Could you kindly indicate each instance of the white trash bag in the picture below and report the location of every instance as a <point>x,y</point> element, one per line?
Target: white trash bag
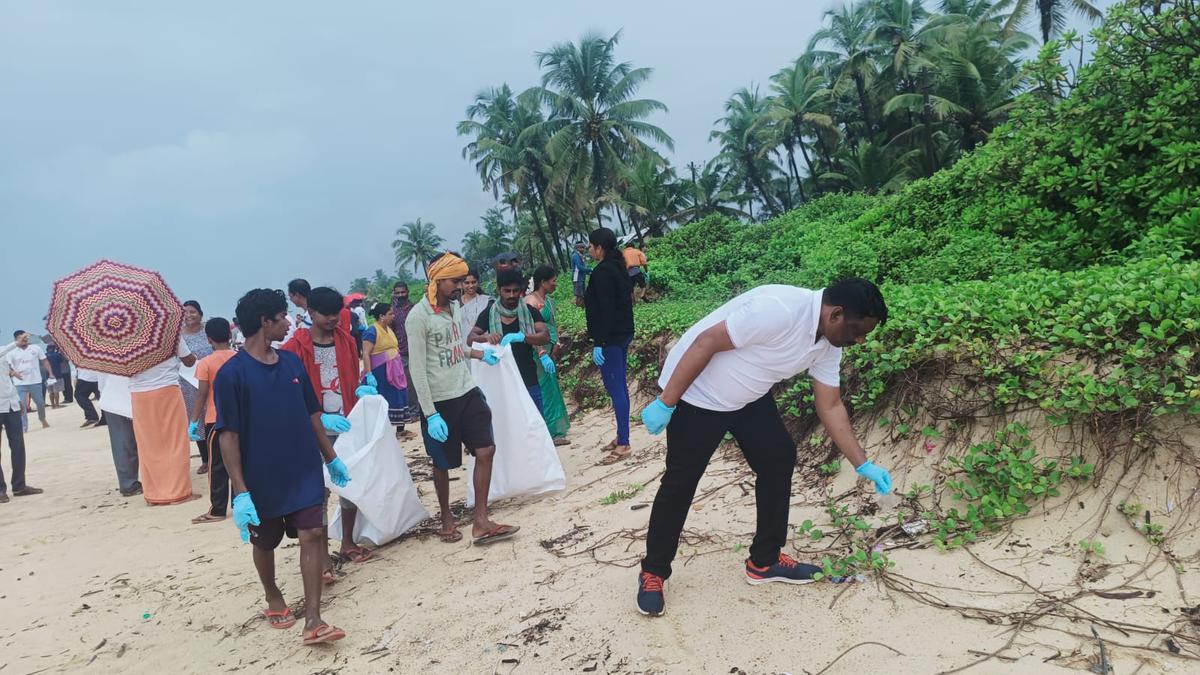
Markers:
<point>526,462</point>
<point>380,484</point>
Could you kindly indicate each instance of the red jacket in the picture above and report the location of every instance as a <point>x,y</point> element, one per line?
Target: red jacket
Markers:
<point>346,352</point>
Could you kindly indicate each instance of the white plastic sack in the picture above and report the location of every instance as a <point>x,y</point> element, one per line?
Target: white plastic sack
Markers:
<point>526,462</point>
<point>380,485</point>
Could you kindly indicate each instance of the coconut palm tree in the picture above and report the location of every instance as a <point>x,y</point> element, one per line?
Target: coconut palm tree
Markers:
<point>869,168</point>
<point>745,141</point>
<point>415,243</point>
<point>851,57</point>
<point>1052,14</point>
<point>800,108</point>
<point>708,193</point>
<point>595,122</point>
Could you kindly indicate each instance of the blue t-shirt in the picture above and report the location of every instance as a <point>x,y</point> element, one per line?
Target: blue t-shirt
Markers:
<point>270,406</point>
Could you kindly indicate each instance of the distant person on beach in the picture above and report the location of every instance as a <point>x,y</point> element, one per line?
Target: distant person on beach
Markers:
<point>473,302</point>
<point>87,387</point>
<point>160,423</point>
<point>273,444</point>
<point>26,365</point>
<point>503,262</point>
<point>298,291</point>
<point>382,365</point>
<point>579,271</point>
<point>60,369</point>
<point>554,409</point>
<point>10,419</point>
<point>453,410</point>
<point>197,340</point>
<point>608,306</point>
<point>717,380</point>
<point>637,268</point>
<point>509,321</point>
<point>401,306</point>
<point>330,357</point>
<point>117,406</point>
<point>203,424</point>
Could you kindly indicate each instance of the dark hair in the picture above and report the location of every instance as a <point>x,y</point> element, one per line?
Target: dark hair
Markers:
<point>542,274</point>
<point>473,272</point>
<point>217,330</point>
<point>256,305</point>
<point>607,240</point>
<point>510,277</point>
<point>299,287</point>
<point>399,284</point>
<point>325,301</point>
<point>17,334</point>
<point>194,305</point>
<point>858,299</point>
<point>379,309</point>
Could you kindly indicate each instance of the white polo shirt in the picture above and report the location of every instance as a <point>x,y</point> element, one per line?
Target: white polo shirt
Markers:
<point>27,362</point>
<point>774,333</point>
<point>164,374</point>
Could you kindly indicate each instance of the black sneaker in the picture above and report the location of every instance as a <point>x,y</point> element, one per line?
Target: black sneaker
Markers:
<point>652,601</point>
<point>787,570</point>
<point>3,497</point>
<point>27,491</point>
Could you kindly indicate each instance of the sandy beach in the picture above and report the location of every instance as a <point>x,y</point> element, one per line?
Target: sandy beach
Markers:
<point>94,582</point>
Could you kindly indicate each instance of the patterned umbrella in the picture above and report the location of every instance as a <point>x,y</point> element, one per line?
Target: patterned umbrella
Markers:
<point>114,318</point>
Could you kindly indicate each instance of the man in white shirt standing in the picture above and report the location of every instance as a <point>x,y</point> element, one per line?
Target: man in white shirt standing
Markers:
<point>10,419</point>
<point>718,380</point>
<point>25,366</point>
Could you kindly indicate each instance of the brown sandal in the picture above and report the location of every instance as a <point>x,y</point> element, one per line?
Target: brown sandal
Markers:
<point>611,447</point>
<point>614,457</point>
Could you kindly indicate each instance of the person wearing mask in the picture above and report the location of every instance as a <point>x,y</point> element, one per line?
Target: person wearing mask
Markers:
<point>10,419</point>
<point>608,304</point>
<point>554,409</point>
<point>473,303</point>
<point>196,339</point>
<point>579,271</point>
<point>26,365</point>
<point>717,380</point>
<point>160,422</point>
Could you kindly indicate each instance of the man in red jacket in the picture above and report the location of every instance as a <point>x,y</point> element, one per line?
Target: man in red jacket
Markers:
<point>330,357</point>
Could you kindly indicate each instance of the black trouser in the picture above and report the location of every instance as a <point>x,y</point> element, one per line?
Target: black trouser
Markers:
<point>692,437</point>
<point>218,477</point>
<point>11,421</point>
<point>68,393</point>
<point>83,398</point>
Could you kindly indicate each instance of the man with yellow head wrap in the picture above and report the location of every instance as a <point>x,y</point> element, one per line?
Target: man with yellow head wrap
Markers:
<point>453,411</point>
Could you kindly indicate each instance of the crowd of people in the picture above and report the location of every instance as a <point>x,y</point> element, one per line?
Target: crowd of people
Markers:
<point>265,397</point>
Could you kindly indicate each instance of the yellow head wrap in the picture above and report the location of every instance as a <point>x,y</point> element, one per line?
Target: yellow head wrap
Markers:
<point>449,266</point>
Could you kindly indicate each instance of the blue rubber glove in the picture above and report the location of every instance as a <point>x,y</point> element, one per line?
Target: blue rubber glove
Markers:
<point>876,474</point>
<point>656,416</point>
<point>365,390</point>
<point>437,427</point>
<point>335,423</point>
<point>339,475</point>
<point>647,273</point>
<point>244,514</point>
<point>194,432</point>
<point>598,355</point>
<point>548,364</point>
<point>370,380</point>
<point>490,356</point>
<point>510,338</point>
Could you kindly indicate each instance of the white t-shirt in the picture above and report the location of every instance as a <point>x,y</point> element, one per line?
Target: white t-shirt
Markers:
<point>27,363</point>
<point>85,375</point>
<point>114,395</point>
<point>164,374</point>
<point>773,329</point>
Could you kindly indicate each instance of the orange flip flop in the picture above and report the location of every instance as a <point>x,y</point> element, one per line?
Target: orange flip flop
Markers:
<point>285,614</point>
<point>323,633</point>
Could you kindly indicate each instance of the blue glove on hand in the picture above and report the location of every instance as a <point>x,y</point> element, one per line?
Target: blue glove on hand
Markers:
<point>647,273</point>
<point>598,356</point>
<point>194,432</point>
<point>339,475</point>
<point>365,390</point>
<point>510,338</point>
<point>244,514</point>
<point>335,423</point>
<point>490,356</point>
<point>878,475</point>
<point>370,380</point>
<point>548,364</point>
<point>656,416</point>
<point>437,427</point>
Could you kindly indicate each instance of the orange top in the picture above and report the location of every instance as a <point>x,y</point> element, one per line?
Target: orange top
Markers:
<point>634,257</point>
<point>206,371</point>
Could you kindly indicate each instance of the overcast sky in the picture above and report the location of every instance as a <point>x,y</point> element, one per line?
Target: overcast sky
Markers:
<point>238,145</point>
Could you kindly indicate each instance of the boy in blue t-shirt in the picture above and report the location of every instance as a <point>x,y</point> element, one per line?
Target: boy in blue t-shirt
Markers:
<point>273,443</point>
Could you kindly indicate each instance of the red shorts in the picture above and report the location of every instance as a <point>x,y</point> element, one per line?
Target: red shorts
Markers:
<point>268,535</point>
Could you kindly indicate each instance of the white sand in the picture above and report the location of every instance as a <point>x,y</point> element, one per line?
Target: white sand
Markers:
<point>81,567</point>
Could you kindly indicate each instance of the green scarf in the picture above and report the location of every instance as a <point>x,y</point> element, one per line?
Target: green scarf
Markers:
<point>524,318</point>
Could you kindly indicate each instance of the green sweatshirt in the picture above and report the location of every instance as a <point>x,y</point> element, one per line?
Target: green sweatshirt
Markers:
<point>437,356</point>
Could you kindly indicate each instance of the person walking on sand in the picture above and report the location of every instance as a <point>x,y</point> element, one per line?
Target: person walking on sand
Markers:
<point>160,423</point>
<point>608,305</point>
<point>717,380</point>
<point>25,365</point>
<point>330,356</point>
<point>87,385</point>
<point>508,321</point>
<point>195,337</point>
<point>204,419</point>
<point>10,419</point>
<point>60,369</point>
<point>554,409</point>
<point>117,406</point>
<point>453,411</point>
<point>273,444</point>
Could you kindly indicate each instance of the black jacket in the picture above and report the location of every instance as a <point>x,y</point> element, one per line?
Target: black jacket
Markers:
<point>608,303</point>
